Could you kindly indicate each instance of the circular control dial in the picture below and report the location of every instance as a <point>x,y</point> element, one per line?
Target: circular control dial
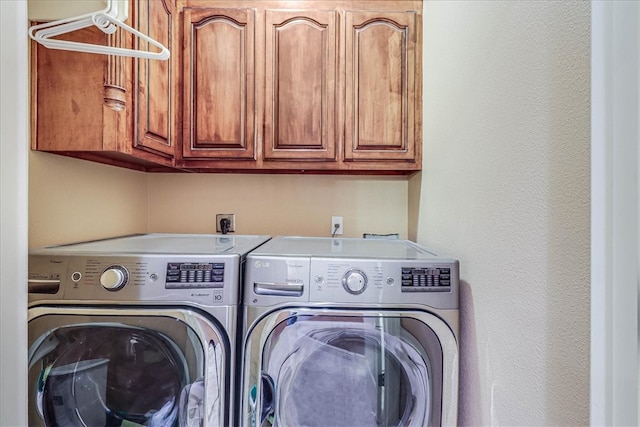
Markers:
<point>354,281</point>
<point>114,277</point>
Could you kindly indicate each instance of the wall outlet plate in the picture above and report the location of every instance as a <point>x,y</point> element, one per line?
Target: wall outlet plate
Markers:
<point>336,220</point>
<point>232,222</point>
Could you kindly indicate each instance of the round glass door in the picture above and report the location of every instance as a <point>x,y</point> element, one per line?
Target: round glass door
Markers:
<point>115,371</point>
<point>349,371</point>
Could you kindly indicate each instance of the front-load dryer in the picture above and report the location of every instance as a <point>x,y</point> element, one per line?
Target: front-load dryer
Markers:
<point>137,330</point>
<point>349,332</point>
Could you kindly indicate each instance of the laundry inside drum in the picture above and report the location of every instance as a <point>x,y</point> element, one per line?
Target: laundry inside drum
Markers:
<point>350,381</point>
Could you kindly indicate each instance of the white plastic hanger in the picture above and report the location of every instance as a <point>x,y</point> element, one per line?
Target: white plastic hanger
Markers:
<point>107,20</point>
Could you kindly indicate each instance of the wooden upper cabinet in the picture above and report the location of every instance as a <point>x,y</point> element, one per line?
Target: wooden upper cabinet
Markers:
<point>219,84</point>
<point>89,106</point>
<point>302,86</point>
<point>326,86</point>
<point>155,82</point>
<point>382,97</point>
<point>300,50</point>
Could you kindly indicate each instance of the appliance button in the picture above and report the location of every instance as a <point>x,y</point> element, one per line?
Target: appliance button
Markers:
<point>76,276</point>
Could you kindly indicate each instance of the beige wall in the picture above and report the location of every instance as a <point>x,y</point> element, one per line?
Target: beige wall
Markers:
<point>278,204</point>
<point>414,190</point>
<point>72,200</point>
<point>505,188</point>
<point>46,10</point>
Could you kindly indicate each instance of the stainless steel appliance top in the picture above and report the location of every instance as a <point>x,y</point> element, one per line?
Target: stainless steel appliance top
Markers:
<point>159,243</point>
<point>344,248</point>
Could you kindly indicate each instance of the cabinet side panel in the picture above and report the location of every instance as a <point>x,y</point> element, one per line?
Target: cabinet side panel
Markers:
<point>70,95</point>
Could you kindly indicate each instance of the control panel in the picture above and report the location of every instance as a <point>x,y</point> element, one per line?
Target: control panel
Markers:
<point>352,281</point>
<point>203,280</point>
<point>190,275</point>
<point>366,281</point>
<point>416,279</point>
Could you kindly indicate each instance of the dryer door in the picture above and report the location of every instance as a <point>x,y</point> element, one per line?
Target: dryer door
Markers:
<point>324,367</point>
<point>113,367</point>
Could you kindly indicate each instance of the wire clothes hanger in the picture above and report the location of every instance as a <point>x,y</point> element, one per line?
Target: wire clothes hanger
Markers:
<point>107,20</point>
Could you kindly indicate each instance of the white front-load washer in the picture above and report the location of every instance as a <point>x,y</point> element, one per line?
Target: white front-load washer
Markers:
<point>349,332</point>
<point>136,330</point>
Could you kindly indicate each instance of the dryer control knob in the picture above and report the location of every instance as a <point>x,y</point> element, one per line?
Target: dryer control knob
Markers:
<point>354,281</point>
<point>114,277</point>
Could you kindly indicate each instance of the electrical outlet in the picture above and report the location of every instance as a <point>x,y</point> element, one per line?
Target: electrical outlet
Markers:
<point>336,220</point>
<point>229,217</point>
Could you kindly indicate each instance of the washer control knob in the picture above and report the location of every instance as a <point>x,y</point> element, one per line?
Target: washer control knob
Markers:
<point>114,277</point>
<point>354,281</point>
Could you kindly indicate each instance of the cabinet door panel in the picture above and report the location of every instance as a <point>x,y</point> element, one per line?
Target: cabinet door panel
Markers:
<point>380,83</point>
<point>300,91</point>
<point>219,75</point>
<point>155,85</point>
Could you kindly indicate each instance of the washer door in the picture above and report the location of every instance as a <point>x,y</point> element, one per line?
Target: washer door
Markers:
<point>104,367</point>
<point>349,369</point>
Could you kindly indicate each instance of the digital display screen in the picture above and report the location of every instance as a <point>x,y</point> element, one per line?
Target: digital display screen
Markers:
<point>196,267</point>
<point>192,275</point>
<point>426,279</point>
